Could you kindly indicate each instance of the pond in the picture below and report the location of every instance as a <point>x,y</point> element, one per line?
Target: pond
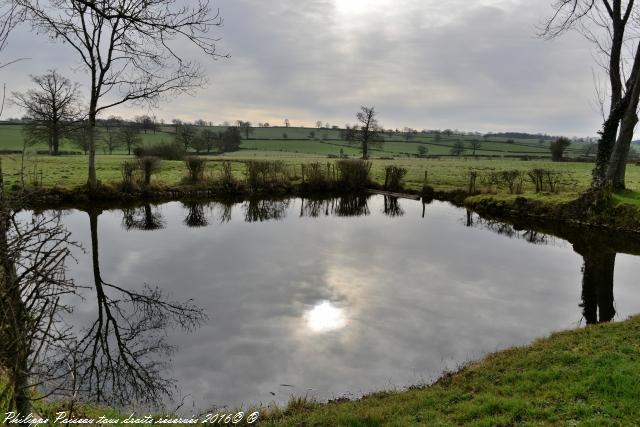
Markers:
<point>342,297</point>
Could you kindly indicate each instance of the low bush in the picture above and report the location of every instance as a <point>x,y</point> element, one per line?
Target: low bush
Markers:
<point>318,176</point>
<point>353,174</point>
<point>266,175</point>
<point>513,180</point>
<point>545,180</point>
<point>394,176</point>
<point>128,171</point>
<point>149,165</point>
<point>227,181</point>
<point>195,168</point>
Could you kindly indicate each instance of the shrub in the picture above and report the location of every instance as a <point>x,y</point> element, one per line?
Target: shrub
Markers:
<point>353,174</point>
<point>545,180</point>
<point>227,181</point>
<point>195,167</point>
<point>149,165</point>
<point>163,150</point>
<point>393,177</point>
<point>317,175</point>
<point>513,180</point>
<point>266,174</point>
<point>128,171</point>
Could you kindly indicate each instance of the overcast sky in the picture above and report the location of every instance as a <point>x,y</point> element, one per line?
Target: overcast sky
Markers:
<point>428,64</point>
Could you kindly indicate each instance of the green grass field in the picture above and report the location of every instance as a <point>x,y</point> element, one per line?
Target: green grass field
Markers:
<point>442,174</point>
<point>328,141</point>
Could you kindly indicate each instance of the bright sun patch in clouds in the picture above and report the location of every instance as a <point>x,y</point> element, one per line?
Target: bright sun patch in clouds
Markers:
<point>325,317</point>
<point>355,7</point>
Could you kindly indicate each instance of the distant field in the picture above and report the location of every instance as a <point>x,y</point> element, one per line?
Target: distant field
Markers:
<point>327,141</point>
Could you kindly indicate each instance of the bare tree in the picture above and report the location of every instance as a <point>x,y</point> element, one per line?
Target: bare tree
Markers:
<point>368,133</point>
<point>111,128</point>
<point>80,136</point>
<point>127,48</point>
<point>129,136</point>
<point>245,127</point>
<point>457,148</point>
<point>475,144</point>
<point>8,20</point>
<point>185,135</point>
<point>206,140</point>
<point>612,27</point>
<point>53,108</point>
<point>10,16</point>
<point>146,123</point>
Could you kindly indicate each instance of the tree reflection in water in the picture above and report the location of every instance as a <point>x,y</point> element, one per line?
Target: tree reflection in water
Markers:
<point>196,216</point>
<point>259,210</point>
<point>598,251</point>
<point>144,217</point>
<point>352,205</point>
<point>33,287</point>
<point>120,358</point>
<point>121,354</point>
<point>392,207</point>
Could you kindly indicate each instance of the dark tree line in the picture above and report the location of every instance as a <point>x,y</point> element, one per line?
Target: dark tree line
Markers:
<point>206,139</point>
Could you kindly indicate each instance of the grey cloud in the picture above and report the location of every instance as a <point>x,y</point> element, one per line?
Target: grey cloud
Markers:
<point>427,64</point>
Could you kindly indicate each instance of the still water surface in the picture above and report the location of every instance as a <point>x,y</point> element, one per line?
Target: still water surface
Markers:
<point>343,297</point>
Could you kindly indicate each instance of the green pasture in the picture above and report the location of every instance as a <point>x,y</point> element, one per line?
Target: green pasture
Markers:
<point>324,142</point>
<point>442,174</point>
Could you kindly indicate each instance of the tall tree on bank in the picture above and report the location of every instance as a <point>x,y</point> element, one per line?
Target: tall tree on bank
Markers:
<point>368,133</point>
<point>53,107</point>
<point>128,48</point>
<point>611,26</point>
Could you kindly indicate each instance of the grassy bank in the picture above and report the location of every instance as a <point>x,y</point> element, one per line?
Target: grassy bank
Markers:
<point>587,377</point>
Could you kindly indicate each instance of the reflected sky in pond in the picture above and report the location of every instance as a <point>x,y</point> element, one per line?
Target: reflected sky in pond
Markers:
<point>303,299</point>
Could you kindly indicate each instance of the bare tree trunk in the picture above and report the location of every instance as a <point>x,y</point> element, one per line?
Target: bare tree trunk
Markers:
<point>616,109</point>
<point>55,140</point>
<point>618,162</point>
<point>616,168</point>
<point>92,181</point>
